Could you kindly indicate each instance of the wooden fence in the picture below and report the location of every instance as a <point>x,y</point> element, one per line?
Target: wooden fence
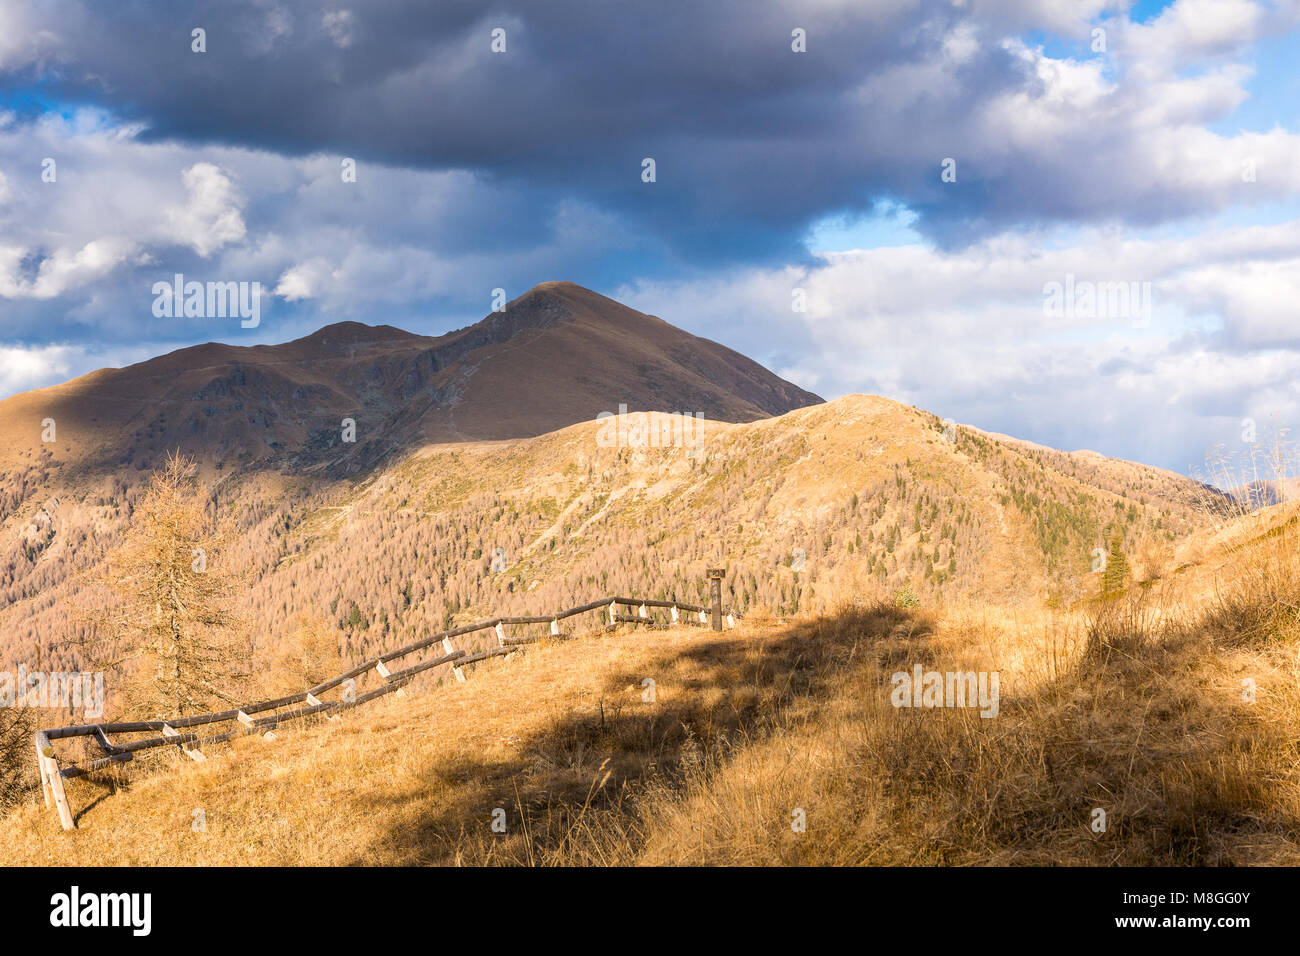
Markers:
<point>241,720</point>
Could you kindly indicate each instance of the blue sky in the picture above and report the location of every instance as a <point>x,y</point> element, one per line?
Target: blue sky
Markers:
<point>1163,162</point>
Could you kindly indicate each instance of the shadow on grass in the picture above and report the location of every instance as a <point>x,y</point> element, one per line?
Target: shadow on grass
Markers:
<point>1184,774</point>
<point>107,790</point>
<point>718,692</point>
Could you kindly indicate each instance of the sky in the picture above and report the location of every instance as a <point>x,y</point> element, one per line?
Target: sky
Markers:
<point>1072,221</point>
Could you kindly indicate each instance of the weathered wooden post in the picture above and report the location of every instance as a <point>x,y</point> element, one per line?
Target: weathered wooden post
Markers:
<point>385,673</point>
<point>192,752</point>
<point>446,646</point>
<point>715,576</point>
<point>49,766</point>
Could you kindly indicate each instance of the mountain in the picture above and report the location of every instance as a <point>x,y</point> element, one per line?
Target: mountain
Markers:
<point>855,496</point>
<point>1265,492</point>
<point>480,482</point>
<point>842,503</point>
<point>557,355</point>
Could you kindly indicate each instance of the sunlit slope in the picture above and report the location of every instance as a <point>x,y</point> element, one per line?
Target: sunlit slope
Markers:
<point>821,503</point>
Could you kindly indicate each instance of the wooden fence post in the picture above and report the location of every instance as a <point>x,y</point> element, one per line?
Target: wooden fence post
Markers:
<point>45,777</point>
<point>446,646</point>
<point>193,753</point>
<point>50,769</point>
<point>715,576</point>
<point>314,701</point>
<point>60,798</point>
<point>385,673</point>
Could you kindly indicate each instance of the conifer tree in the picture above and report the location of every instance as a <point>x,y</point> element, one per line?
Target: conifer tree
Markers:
<point>169,633</point>
<point>1115,578</point>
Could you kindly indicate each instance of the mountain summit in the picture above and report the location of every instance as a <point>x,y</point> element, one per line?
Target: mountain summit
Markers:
<point>557,355</point>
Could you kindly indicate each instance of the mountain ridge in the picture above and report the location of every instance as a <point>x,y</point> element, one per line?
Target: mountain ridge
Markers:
<point>819,502</point>
<point>394,535</point>
<point>558,354</point>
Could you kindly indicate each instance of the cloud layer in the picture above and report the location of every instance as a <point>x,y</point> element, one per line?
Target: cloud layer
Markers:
<point>381,162</point>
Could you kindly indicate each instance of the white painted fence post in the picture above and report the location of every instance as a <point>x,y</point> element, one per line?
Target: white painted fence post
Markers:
<point>49,766</point>
<point>446,646</point>
<point>195,754</point>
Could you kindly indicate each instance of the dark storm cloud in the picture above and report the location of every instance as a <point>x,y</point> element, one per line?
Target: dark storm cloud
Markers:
<point>752,141</point>
<point>480,171</point>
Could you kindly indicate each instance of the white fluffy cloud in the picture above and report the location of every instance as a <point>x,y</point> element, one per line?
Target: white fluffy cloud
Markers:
<point>23,368</point>
<point>303,281</point>
<point>73,268</point>
<point>1195,30</point>
<point>114,203</point>
<point>967,334</point>
<point>211,216</point>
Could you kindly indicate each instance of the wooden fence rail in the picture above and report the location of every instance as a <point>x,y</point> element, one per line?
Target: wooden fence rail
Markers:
<point>177,732</point>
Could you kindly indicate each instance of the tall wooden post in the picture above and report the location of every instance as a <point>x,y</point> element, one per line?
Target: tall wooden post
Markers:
<point>50,776</point>
<point>715,586</point>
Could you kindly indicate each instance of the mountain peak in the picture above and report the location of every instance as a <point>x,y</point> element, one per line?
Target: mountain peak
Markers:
<point>557,355</point>
<point>340,334</point>
<point>552,300</point>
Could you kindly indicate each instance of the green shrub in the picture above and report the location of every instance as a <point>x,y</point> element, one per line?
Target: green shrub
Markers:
<point>905,597</point>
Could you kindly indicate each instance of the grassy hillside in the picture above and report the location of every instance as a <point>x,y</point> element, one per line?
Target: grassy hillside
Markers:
<point>1133,706</point>
<point>803,509</point>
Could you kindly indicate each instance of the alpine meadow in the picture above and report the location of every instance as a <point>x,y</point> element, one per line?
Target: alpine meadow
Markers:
<point>781,434</point>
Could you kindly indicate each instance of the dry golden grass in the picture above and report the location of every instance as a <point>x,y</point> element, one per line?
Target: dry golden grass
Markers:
<point>1135,707</point>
